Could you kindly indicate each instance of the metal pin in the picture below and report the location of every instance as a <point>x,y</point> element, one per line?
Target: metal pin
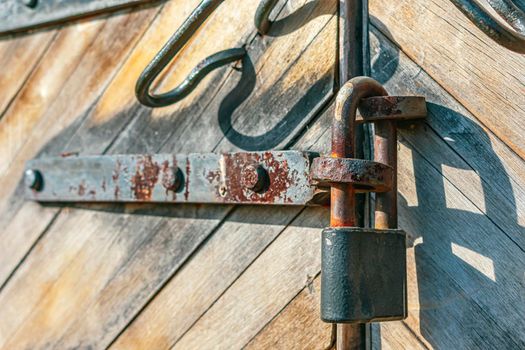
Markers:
<point>33,179</point>
<point>255,178</point>
<point>30,3</point>
<point>172,179</point>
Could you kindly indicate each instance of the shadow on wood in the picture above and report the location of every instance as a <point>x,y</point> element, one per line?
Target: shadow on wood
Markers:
<point>468,242</point>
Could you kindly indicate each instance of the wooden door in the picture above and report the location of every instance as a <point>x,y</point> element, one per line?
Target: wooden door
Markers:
<point>226,277</point>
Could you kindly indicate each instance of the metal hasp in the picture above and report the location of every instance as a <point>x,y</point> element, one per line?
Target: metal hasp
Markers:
<point>363,276</point>
<point>271,177</point>
<point>22,15</point>
<point>281,177</point>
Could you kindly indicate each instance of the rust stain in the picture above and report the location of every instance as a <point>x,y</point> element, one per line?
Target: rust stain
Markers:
<point>68,154</point>
<point>116,171</point>
<point>175,166</point>
<point>81,190</point>
<point>187,180</point>
<point>360,174</point>
<point>166,175</point>
<point>145,178</point>
<point>115,177</point>
<point>279,174</point>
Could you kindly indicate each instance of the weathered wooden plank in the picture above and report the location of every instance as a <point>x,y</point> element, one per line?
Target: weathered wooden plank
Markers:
<point>44,86</point>
<point>244,304</point>
<point>19,56</point>
<point>227,253</point>
<point>474,154</point>
<point>193,138</point>
<point>26,111</point>
<point>163,269</point>
<point>270,282</point>
<point>394,335</point>
<point>485,170</point>
<point>298,325</point>
<point>464,298</point>
<point>91,70</point>
<point>486,78</point>
<point>59,85</point>
<point>270,125</point>
<point>67,91</point>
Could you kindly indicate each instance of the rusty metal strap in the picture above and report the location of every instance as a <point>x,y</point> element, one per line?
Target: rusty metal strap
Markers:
<point>257,177</point>
<point>21,15</point>
<point>271,177</point>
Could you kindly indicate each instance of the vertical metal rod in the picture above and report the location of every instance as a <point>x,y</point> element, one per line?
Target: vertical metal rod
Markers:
<point>385,151</point>
<point>353,31</point>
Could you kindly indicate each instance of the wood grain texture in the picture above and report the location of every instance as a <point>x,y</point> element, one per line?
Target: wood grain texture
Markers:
<point>298,325</point>
<point>67,92</point>
<point>486,78</point>
<point>18,57</point>
<point>458,297</point>
<point>229,251</point>
<point>263,289</point>
<point>139,276</point>
<point>63,329</point>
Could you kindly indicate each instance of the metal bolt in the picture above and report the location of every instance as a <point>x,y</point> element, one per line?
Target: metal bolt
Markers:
<point>172,179</point>
<point>33,179</point>
<point>30,3</point>
<point>255,178</point>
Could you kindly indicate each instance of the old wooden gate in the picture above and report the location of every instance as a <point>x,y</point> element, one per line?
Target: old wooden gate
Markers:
<point>204,276</point>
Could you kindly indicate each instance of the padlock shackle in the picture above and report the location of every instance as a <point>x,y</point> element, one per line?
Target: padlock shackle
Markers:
<point>342,213</point>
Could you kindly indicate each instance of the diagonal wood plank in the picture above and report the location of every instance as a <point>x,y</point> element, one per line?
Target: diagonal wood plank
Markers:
<point>486,171</point>
<point>44,86</point>
<point>191,138</point>
<point>263,289</point>
<point>486,78</point>
<point>298,325</point>
<point>464,310</point>
<point>20,55</point>
<point>499,172</point>
<point>218,263</point>
<point>118,283</point>
<point>58,107</point>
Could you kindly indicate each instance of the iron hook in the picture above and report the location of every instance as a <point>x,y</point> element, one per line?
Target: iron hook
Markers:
<point>262,16</point>
<point>177,42</point>
<point>511,39</point>
<point>170,50</point>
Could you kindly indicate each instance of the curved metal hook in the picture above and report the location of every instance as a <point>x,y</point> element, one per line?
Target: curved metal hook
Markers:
<point>262,20</point>
<point>511,13</point>
<point>346,104</point>
<point>512,40</point>
<point>170,50</point>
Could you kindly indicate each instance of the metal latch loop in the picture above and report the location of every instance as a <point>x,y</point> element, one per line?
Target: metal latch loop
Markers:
<point>173,47</point>
<point>363,175</point>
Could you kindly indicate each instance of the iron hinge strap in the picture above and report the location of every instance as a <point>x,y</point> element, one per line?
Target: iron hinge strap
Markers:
<point>270,177</point>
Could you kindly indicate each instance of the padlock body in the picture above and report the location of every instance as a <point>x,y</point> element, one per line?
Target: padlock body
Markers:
<point>363,275</point>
